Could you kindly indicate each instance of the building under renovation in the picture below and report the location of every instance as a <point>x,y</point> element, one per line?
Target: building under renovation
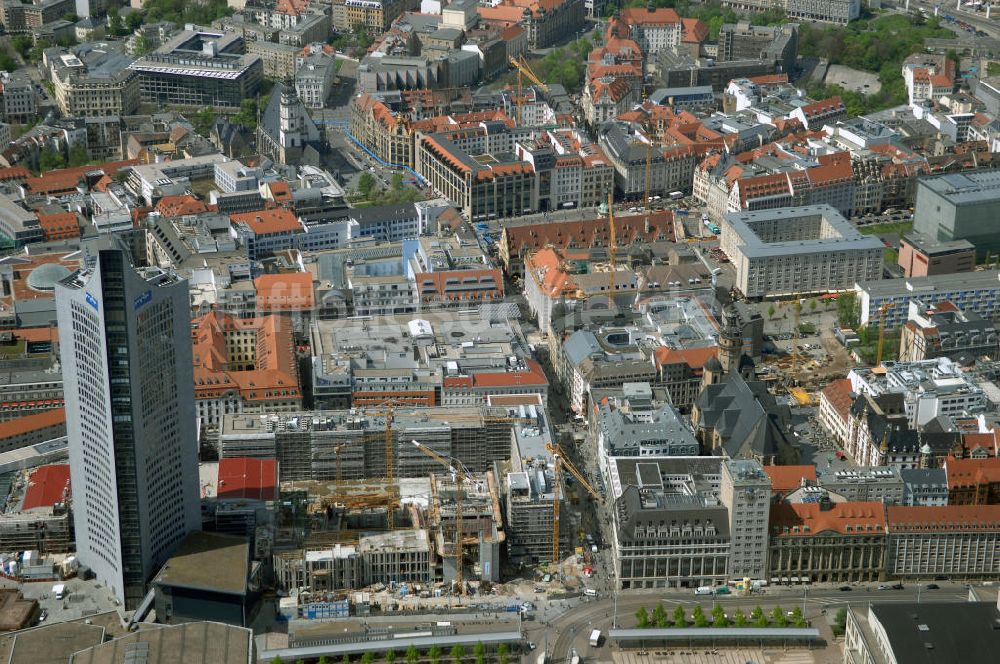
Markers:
<point>351,444</point>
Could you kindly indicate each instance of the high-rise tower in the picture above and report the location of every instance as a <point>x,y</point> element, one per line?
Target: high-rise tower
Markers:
<point>125,345</point>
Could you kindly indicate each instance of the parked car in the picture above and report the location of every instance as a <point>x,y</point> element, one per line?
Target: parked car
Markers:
<point>845,589</point>
<point>932,586</point>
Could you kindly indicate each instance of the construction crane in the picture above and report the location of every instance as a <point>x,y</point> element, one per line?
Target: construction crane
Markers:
<point>796,304</point>
<point>522,67</point>
<point>560,462</point>
<point>340,471</point>
<point>558,450</point>
<point>611,251</point>
<point>460,472</point>
<point>881,331</point>
<point>389,414</point>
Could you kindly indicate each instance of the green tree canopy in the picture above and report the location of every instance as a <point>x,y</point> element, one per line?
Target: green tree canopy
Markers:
<point>641,618</point>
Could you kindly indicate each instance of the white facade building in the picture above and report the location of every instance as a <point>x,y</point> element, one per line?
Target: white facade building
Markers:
<point>125,340</point>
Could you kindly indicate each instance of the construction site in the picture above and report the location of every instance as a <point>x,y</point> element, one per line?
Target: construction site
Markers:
<point>432,524</point>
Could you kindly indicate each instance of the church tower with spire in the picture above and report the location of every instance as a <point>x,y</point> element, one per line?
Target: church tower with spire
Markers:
<point>730,340</point>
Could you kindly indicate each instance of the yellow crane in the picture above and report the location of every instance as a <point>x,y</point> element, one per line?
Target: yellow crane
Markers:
<point>337,450</point>
<point>611,251</point>
<point>523,69</point>
<point>459,471</point>
<point>562,462</point>
<point>881,331</point>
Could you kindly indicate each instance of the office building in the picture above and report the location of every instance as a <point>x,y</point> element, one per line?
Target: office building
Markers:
<point>939,632</point>
<point>199,68</point>
<point>93,79</point>
<point>476,170</point>
<point>545,22</point>
<point>838,12</point>
<point>827,542</point>
<point>745,490</point>
<point>960,206</point>
<point>866,484</point>
<point>801,250</point>
<point>669,528</point>
<point>923,256</point>
<point>977,292</point>
<point>929,388</point>
<point>126,358</point>
<point>952,540</point>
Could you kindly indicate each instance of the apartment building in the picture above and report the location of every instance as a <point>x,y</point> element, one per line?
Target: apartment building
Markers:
<point>977,292</point>
<point>928,77</point>
<point>943,330</point>
<point>314,76</point>
<point>800,250</point>
<point>280,61</point>
<point>19,99</point>
<point>375,15</point>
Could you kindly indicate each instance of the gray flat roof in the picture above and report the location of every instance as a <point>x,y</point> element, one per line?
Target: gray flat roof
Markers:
<point>971,188</point>
<point>916,286</point>
<point>753,246</point>
<point>941,633</point>
<point>933,246</point>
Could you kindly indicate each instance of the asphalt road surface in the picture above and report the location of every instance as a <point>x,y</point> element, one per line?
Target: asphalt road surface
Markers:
<point>571,627</point>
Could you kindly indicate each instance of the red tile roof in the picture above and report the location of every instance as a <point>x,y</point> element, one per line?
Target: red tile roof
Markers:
<point>59,226</point>
<point>178,206</point>
<point>255,479</point>
<point>785,479</point>
<point>31,423</point>
<point>649,16</point>
<point>693,357</point>
<point>838,393</point>
<point>288,291</point>
<point>533,376</point>
<point>47,485</point>
<point>269,222</point>
<point>808,519</point>
<point>971,472</point>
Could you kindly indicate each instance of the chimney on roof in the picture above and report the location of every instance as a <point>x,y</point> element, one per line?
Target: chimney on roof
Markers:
<point>825,504</point>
